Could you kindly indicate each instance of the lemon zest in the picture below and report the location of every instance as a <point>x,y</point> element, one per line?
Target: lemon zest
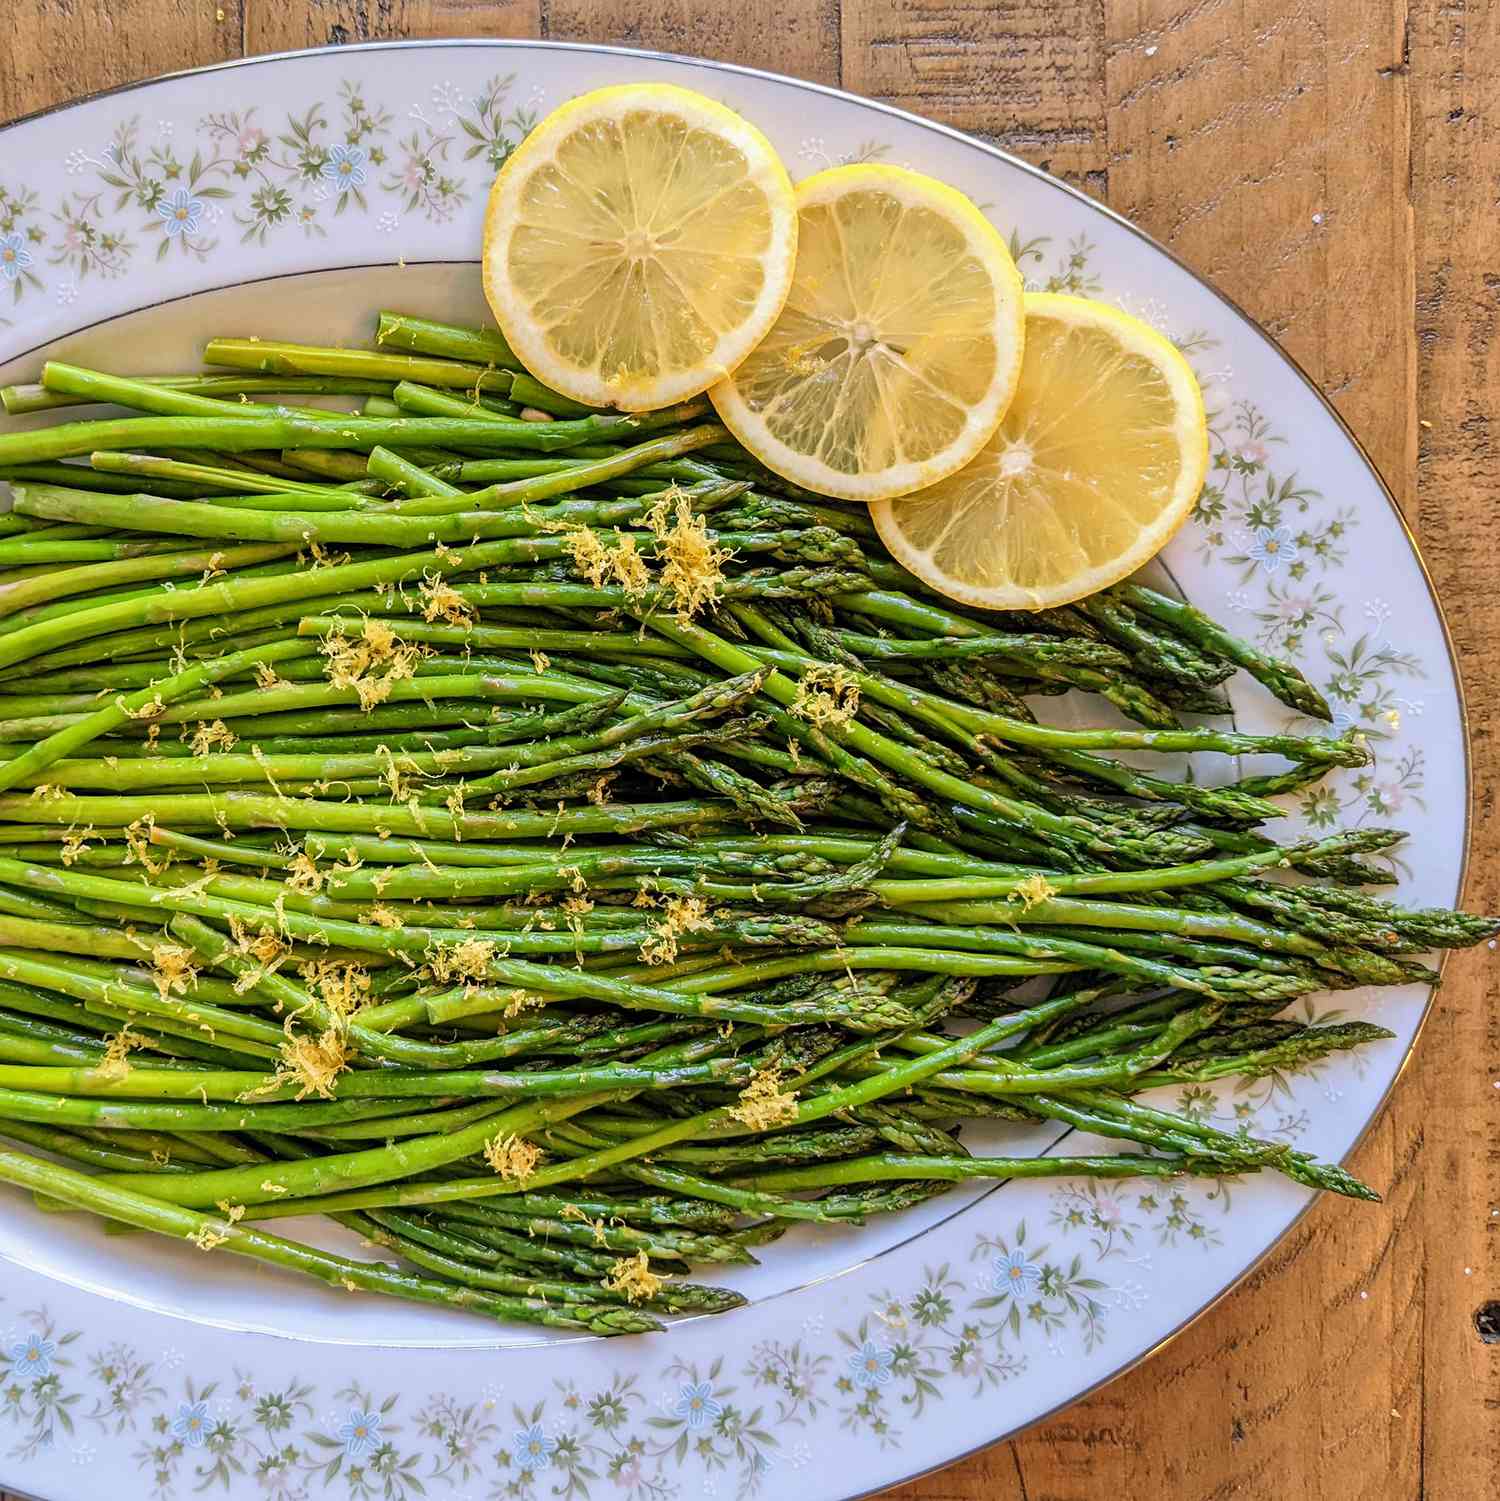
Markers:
<point>115,1063</point>
<point>75,842</point>
<point>827,697</point>
<point>1031,892</point>
<point>312,1063</point>
<point>441,601</point>
<point>694,566</point>
<point>467,962</point>
<point>512,1157</point>
<point>138,846</point>
<point>211,734</point>
<point>304,874</point>
<point>173,969</point>
<point>682,914</point>
<point>343,987</point>
<point>762,1104</point>
<point>632,1275</point>
<point>372,664</point>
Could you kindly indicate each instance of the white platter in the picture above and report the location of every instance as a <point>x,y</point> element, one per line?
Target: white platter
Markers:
<point>293,196</point>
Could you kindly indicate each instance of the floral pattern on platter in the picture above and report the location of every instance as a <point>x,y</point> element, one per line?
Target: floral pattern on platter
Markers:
<point>142,187</point>
<point>684,1430</point>
<point>21,239</point>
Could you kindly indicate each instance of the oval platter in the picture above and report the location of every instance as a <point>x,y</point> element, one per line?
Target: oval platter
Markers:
<point>294,196</point>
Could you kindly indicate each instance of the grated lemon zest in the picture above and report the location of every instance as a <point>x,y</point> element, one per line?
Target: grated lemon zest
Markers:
<point>1034,890</point>
<point>173,969</point>
<point>115,1063</point>
<point>312,1063</point>
<point>762,1104</point>
<point>211,734</point>
<point>441,601</point>
<point>632,1275</point>
<point>467,962</point>
<point>75,842</point>
<point>826,697</point>
<point>694,566</point>
<point>304,874</point>
<point>512,1157</point>
<point>682,914</point>
<point>372,664</point>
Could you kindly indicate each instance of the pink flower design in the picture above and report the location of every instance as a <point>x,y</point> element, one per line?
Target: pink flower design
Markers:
<point>1107,1213</point>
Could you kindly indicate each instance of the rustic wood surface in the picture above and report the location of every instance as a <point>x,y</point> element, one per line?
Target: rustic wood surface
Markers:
<point>1332,165</point>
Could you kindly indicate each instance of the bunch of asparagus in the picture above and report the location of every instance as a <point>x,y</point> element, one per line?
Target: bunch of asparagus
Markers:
<point>563,853</point>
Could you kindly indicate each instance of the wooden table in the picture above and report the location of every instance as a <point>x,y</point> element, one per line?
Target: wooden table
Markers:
<point>1332,165</point>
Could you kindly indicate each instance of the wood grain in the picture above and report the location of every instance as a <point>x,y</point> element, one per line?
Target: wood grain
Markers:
<point>789,36</point>
<point>1454,57</point>
<point>1267,144</point>
<point>55,50</point>
<point>283,25</point>
<point>1331,165</point>
<point>1027,75</point>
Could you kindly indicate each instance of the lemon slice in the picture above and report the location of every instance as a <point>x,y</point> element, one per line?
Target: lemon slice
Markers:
<point>1096,464</point>
<point>638,244</point>
<point>899,346</point>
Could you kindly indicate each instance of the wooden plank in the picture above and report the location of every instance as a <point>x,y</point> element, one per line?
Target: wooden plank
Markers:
<point>56,50</point>
<point>1450,1108</point>
<point>281,25</point>
<point>1027,75</point>
<point>1267,145</point>
<point>800,37</point>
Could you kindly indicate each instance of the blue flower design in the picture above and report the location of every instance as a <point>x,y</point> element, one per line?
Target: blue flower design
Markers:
<point>1274,548</point>
<point>360,1432</point>
<point>346,167</point>
<point>14,257</point>
<point>181,213</point>
<point>533,1448</point>
<point>870,1366</point>
<point>32,1356</point>
<point>191,1424</point>
<point>696,1404</point>
<point>1014,1274</point>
